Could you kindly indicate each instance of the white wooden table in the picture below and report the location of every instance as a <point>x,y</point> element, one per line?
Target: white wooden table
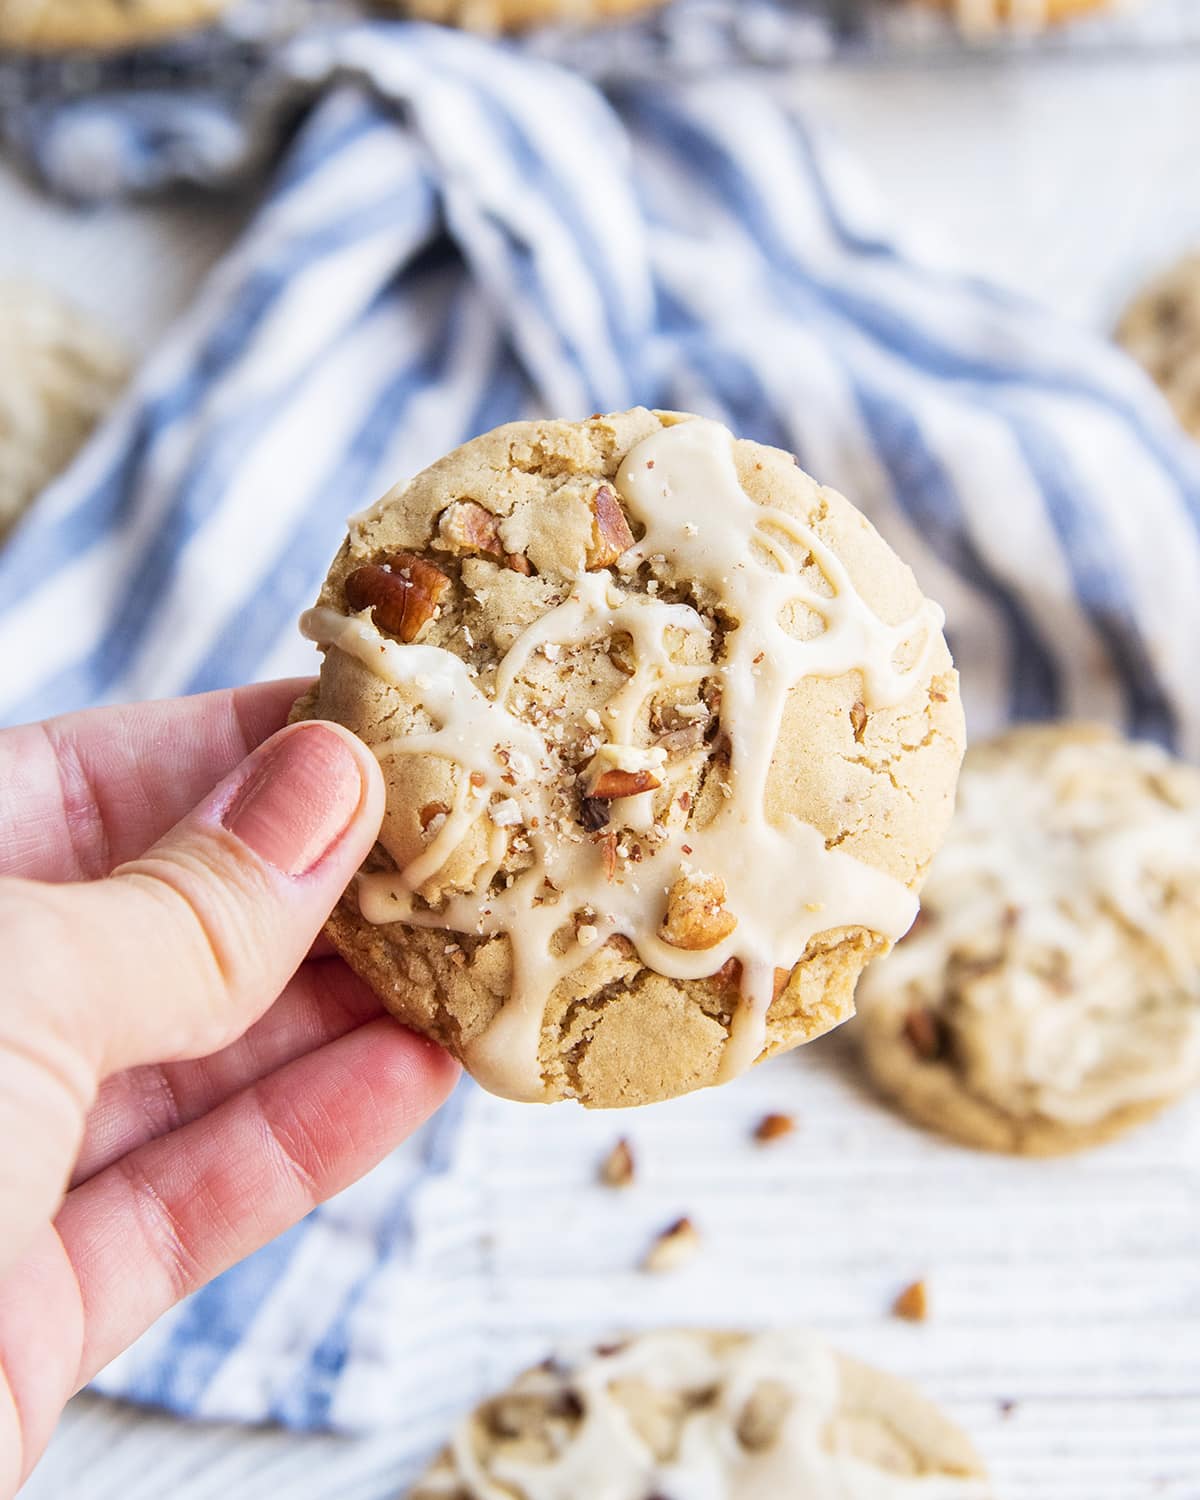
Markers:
<point>1066,181</point>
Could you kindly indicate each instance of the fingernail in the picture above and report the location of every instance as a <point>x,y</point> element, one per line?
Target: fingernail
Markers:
<point>298,800</point>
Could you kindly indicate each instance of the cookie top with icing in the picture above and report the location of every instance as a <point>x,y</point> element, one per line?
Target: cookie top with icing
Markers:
<point>54,25</point>
<point>725,1416</point>
<point>1051,990</point>
<point>670,737</point>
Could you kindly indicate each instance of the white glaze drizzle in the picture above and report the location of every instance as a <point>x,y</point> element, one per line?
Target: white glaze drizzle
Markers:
<point>605,1455</point>
<point>783,884</point>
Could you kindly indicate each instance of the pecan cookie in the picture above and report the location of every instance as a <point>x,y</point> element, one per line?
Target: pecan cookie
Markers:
<point>59,373</point>
<point>490,16</point>
<point>727,1416</point>
<point>55,25</point>
<point>1049,995</point>
<point>1161,329</point>
<point>670,736</point>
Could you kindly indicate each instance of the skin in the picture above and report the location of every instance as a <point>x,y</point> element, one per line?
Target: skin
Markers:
<point>183,1075</point>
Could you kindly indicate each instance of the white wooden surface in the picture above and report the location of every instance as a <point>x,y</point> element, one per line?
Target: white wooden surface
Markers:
<point>1066,181</point>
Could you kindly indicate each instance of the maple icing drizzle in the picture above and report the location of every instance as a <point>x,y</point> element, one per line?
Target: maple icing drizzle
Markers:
<point>782,883</point>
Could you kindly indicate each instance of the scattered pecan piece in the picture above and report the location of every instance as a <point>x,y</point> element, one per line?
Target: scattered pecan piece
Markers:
<point>618,1167</point>
<point>696,915</point>
<point>912,1303</point>
<point>466,526</point>
<point>517,562</point>
<point>610,530</point>
<point>674,1247</point>
<point>608,847</point>
<point>402,597</point>
<point>774,1128</point>
<point>925,1032</point>
<point>613,784</point>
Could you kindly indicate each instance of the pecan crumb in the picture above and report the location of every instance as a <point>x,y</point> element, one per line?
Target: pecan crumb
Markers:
<point>674,1247</point>
<point>517,562</point>
<point>610,530</point>
<point>402,596</point>
<point>477,779</point>
<point>774,1127</point>
<point>608,847</point>
<point>913,1303</point>
<point>618,1167</point>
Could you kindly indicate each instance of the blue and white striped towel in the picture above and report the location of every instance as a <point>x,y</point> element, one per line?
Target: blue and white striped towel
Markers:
<point>459,236</point>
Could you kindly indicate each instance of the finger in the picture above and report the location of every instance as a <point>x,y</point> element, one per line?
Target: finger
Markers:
<point>324,1001</point>
<point>180,951</point>
<point>83,792</point>
<point>170,1216</point>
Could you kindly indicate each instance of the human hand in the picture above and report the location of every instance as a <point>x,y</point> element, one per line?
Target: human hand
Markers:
<point>178,1082</point>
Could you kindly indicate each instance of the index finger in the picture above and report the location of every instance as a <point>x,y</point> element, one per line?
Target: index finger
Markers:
<point>82,793</point>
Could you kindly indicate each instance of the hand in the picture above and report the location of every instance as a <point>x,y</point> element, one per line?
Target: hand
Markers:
<point>178,1082</point>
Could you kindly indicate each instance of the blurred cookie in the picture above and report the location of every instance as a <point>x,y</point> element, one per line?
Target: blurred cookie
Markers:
<point>718,1415</point>
<point>670,736</point>
<point>490,16</point>
<point>59,373</point>
<point>1161,329</point>
<point>1049,995</point>
<point>55,25</point>
<point>980,17</point>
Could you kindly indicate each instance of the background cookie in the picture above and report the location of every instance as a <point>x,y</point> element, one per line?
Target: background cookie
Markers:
<point>53,24</point>
<point>59,373</point>
<point>1049,995</point>
<point>516,15</point>
<point>722,1415</point>
<point>977,16</point>
<point>654,803</point>
<point>1161,329</point>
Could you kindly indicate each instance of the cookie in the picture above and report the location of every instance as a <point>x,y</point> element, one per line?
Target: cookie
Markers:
<point>59,373</point>
<point>1161,329</point>
<point>727,1416</point>
<point>979,17</point>
<point>55,25</point>
<point>490,16</point>
<point>670,736</point>
<point>1049,995</point>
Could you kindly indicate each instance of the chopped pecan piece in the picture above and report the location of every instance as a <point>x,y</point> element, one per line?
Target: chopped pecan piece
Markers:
<point>858,719</point>
<point>774,1127</point>
<point>466,526</point>
<point>617,1168</point>
<point>674,1247</point>
<point>912,1303</point>
<point>402,597</point>
<point>613,784</point>
<point>430,811</point>
<point>517,562</point>
<point>593,813</point>
<point>610,530</point>
<point>696,915</point>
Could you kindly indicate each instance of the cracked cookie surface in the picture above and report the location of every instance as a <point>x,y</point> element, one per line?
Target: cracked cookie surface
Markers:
<point>54,25</point>
<point>59,374</point>
<point>1049,995</point>
<point>728,1416</point>
<point>670,737</point>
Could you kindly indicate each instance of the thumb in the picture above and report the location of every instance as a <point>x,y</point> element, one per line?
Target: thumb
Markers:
<point>178,952</point>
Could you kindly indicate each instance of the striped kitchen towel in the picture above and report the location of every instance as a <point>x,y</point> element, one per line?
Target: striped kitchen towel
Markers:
<point>460,235</point>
